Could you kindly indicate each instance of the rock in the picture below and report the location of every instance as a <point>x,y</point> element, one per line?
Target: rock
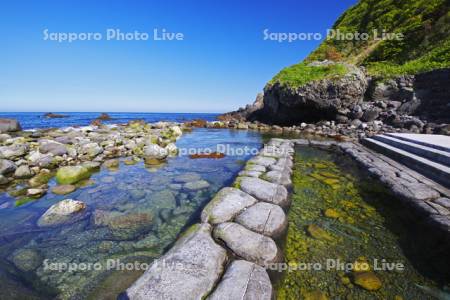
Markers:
<point>155,151</point>
<point>43,177</point>
<point>227,204</point>
<point>4,137</point>
<point>91,165</point>
<point>104,117</point>
<point>176,131</point>
<point>91,149</point>
<point>26,260</point>
<point>278,177</point>
<point>6,167</point>
<point>63,189</point>
<point>332,213</point>
<point>72,174</point>
<point>264,190</point>
<point>315,295</point>
<point>4,180</point>
<point>319,233</point>
<point>124,226</point>
<point>262,161</point>
<point>370,115</point>
<point>23,172</point>
<point>111,164</point>
<point>13,151</point>
<point>54,116</point>
<point>35,193</point>
<point>54,148</point>
<point>257,248</point>
<point>61,212</point>
<point>189,270</point>
<point>171,149</point>
<point>367,280</point>
<point>243,280</point>
<point>264,218</point>
<point>9,125</point>
<point>196,185</point>
<point>187,177</point>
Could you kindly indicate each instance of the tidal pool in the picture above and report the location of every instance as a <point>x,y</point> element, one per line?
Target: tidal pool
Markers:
<point>133,215</point>
<point>346,231</point>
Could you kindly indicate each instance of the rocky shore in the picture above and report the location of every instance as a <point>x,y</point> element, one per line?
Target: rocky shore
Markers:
<point>29,159</point>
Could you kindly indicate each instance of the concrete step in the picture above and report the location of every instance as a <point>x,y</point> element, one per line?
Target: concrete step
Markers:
<point>436,141</point>
<point>433,170</point>
<point>433,154</point>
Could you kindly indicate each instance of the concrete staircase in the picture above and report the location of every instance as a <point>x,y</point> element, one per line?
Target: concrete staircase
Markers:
<point>427,154</point>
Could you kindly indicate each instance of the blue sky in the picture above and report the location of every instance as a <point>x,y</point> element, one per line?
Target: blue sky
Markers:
<point>221,64</point>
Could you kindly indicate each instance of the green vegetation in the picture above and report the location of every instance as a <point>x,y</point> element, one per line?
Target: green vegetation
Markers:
<point>301,74</point>
<point>425,25</point>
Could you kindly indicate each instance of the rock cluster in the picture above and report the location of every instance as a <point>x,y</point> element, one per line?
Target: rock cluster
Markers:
<point>244,219</point>
<point>74,153</point>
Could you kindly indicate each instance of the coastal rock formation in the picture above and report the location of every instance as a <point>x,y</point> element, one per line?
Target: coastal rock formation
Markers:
<point>243,280</point>
<point>9,125</point>
<point>61,212</point>
<point>188,271</point>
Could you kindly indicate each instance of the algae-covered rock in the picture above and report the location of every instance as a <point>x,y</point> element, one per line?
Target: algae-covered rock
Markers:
<point>247,244</point>
<point>315,295</point>
<point>26,260</point>
<point>63,189</point>
<point>72,174</point>
<point>264,218</point>
<point>331,213</point>
<point>243,280</point>
<point>41,178</point>
<point>319,233</point>
<point>227,203</point>
<point>189,270</point>
<point>367,280</point>
<point>61,212</point>
<point>264,190</point>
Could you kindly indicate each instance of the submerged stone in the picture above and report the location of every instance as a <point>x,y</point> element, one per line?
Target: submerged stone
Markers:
<point>227,203</point>
<point>367,280</point>
<point>243,280</point>
<point>196,185</point>
<point>319,233</point>
<point>189,270</point>
<point>26,260</point>
<point>63,189</point>
<point>61,212</point>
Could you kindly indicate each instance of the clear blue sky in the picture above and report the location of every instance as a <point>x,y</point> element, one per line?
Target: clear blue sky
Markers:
<point>220,65</point>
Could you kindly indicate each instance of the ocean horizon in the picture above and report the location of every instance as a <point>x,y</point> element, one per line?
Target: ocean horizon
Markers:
<point>35,120</point>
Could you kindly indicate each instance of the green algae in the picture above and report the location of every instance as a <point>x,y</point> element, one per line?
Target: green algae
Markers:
<point>360,225</point>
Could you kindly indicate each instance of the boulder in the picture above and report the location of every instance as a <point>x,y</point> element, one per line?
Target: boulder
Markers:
<point>23,172</point>
<point>247,244</point>
<point>189,270</point>
<point>72,174</point>
<point>262,161</point>
<point>61,212</point>
<point>264,218</point>
<point>9,125</point>
<point>54,148</point>
<point>91,149</point>
<point>264,190</point>
<point>278,177</point>
<point>13,151</point>
<point>227,204</point>
<point>155,151</point>
<point>243,280</point>
<point>6,167</point>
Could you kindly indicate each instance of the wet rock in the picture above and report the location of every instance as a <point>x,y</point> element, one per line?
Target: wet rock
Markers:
<point>63,189</point>
<point>257,248</point>
<point>243,280</point>
<point>155,151</point>
<point>176,131</point>
<point>61,212</point>
<point>41,178</point>
<point>171,149</point>
<point>196,185</point>
<point>72,174</point>
<point>91,165</point>
<point>23,172</point>
<point>227,203</point>
<point>367,280</point>
<point>189,270</point>
<point>6,167</point>
<point>111,164</point>
<point>264,190</point>
<point>26,260</point>
<point>9,125</point>
<point>264,218</point>
<point>13,151</point>
<point>35,193</point>
<point>187,177</point>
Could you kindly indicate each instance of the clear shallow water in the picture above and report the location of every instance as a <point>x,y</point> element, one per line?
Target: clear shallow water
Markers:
<point>31,120</point>
<point>339,215</point>
<point>133,214</point>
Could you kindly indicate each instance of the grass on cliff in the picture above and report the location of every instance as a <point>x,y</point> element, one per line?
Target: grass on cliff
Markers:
<point>301,74</point>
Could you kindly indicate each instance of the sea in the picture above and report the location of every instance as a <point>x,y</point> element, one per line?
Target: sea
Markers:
<point>34,120</point>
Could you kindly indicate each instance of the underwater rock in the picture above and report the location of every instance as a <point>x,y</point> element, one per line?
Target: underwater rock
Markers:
<point>264,190</point>
<point>247,244</point>
<point>213,155</point>
<point>331,213</point>
<point>243,280</point>
<point>367,280</point>
<point>265,218</point>
<point>315,295</point>
<point>189,270</point>
<point>72,174</point>
<point>61,212</point>
<point>187,177</point>
<point>225,205</point>
<point>196,185</point>
<point>26,260</point>
<point>319,233</point>
<point>63,189</point>
<point>124,225</point>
